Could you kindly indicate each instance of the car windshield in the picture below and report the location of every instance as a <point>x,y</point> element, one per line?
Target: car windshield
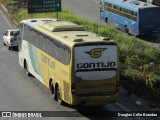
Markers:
<point>12,33</point>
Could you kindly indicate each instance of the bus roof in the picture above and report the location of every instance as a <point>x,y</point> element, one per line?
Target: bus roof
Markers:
<point>132,4</point>
<point>66,32</point>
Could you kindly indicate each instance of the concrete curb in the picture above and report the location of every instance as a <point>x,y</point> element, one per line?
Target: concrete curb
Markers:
<point>4,8</point>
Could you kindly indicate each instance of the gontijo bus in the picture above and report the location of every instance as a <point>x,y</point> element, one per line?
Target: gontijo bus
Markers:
<point>133,16</point>
<point>79,67</point>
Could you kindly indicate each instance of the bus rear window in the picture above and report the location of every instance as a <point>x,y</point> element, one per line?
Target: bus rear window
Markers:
<point>98,62</point>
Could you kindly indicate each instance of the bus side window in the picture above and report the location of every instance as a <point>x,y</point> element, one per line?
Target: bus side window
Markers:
<point>101,7</point>
<point>134,13</point>
<point>114,7</point>
<point>110,5</point>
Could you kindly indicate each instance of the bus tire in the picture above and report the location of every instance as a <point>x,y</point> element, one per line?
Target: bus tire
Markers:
<point>106,20</point>
<point>126,29</point>
<point>52,90</point>
<point>58,94</point>
<point>4,44</point>
<point>26,68</point>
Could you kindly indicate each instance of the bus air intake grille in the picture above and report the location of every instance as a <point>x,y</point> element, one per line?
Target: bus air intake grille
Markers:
<point>66,90</point>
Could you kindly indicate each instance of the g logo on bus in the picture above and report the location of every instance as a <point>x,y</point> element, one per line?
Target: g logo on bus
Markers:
<point>96,52</point>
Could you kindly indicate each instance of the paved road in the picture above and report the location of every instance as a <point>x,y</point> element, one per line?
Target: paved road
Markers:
<point>18,92</point>
<point>86,8</point>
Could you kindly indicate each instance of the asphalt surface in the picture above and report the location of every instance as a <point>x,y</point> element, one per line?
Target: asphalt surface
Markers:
<point>88,9</point>
<point>18,92</point>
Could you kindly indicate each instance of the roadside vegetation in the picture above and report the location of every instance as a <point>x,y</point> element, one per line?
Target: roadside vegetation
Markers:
<point>139,60</point>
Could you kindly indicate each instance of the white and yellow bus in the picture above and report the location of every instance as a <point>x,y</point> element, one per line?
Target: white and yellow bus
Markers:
<point>78,66</point>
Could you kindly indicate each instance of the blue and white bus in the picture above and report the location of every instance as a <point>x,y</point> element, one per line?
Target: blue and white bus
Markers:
<point>132,16</point>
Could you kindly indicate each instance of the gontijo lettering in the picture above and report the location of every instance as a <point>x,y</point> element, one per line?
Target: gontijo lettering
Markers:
<point>97,65</point>
<point>48,61</point>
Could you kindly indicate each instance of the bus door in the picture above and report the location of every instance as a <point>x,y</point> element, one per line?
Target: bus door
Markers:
<point>96,69</point>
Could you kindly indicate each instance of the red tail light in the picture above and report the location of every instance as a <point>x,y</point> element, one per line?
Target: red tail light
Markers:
<point>73,88</point>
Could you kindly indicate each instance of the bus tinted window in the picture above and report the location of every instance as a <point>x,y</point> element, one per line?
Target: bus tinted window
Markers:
<point>47,44</point>
<point>120,11</point>
<point>117,8</point>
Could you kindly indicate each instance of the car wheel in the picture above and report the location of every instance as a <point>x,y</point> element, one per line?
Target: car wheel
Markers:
<point>9,48</point>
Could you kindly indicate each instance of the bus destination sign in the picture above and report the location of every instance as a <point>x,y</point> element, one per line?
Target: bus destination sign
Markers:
<point>42,6</point>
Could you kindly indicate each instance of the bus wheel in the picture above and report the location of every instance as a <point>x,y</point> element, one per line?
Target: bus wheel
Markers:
<point>26,68</point>
<point>106,20</point>
<point>52,90</point>
<point>126,29</point>
<point>58,92</point>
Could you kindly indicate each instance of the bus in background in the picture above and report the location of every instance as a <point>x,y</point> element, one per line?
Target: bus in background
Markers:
<point>133,17</point>
<point>154,2</point>
<point>79,67</point>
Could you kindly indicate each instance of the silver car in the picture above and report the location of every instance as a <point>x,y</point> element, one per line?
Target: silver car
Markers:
<point>10,38</point>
